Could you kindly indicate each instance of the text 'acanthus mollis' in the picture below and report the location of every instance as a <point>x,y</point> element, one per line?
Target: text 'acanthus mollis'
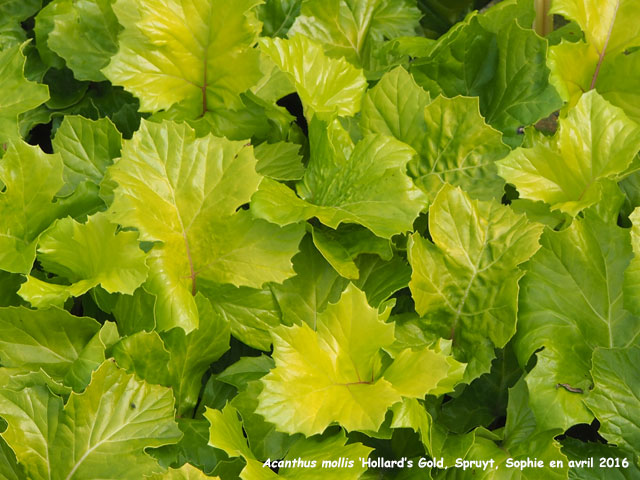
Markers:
<point>185,194</point>
<point>336,373</point>
<point>465,283</point>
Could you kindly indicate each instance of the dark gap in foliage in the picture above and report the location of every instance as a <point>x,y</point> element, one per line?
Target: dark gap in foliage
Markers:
<point>585,432</point>
<point>40,135</point>
<point>293,104</point>
<point>510,194</point>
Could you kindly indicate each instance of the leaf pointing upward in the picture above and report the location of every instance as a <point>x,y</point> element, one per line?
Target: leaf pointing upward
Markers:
<point>177,50</point>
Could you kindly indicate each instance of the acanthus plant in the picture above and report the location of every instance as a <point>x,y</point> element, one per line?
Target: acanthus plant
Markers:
<point>435,257</point>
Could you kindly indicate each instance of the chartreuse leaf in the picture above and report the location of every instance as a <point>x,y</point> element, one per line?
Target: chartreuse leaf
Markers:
<point>32,179</point>
<point>588,259</point>
<point>175,359</point>
<point>453,142</point>
<point>226,433</point>
<point>301,298</point>
<point>506,70</point>
<point>614,399</point>
<point>594,142</point>
<point>356,29</point>
<point>87,148</point>
<point>334,374</point>
<point>465,283</point>
<point>109,426</point>
<point>9,467</point>
<point>277,16</point>
<point>184,191</point>
<point>632,273</point>
<point>199,53</point>
<point>17,94</point>
<point>332,191</point>
<point>326,86</point>
<point>342,246</point>
<point>65,347</point>
<point>86,254</point>
<point>12,13</point>
<point>280,160</point>
<point>185,472</point>
<point>85,35</point>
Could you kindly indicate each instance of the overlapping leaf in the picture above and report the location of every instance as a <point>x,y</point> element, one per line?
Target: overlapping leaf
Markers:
<point>199,53</point>
<point>588,261</point>
<point>331,188</point>
<point>595,141</point>
<point>465,283</point>
<point>183,191</point>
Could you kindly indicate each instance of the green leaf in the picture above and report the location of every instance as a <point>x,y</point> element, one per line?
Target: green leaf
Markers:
<point>332,375</point>
<point>588,259</point>
<point>87,255</point>
<point>199,53</point>
<point>280,161</point>
<point>9,467</point>
<point>250,312</point>
<point>17,94</point>
<point>246,370</point>
<point>356,30</point>
<point>594,142</point>
<point>614,399</point>
<point>225,432</point>
<point>192,354</point>
<point>580,451</point>
<point>277,16</point>
<point>465,283</point>
<point>51,340</point>
<point>330,188</point>
<point>302,297</point>
<point>453,142</point>
<point>12,13</point>
<point>342,246</point>
<point>87,148</point>
<point>123,416</point>
<point>186,472</point>
<point>85,35</point>
<point>506,70</point>
<point>184,191</point>
<point>632,273</point>
<point>379,279</point>
<point>326,86</point>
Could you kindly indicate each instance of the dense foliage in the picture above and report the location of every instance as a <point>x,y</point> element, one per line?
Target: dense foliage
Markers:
<point>234,231</point>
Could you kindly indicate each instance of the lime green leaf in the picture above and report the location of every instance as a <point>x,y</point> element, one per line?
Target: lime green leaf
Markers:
<point>12,13</point>
<point>51,340</point>
<point>32,179</point>
<point>465,284</point>
<point>200,53</point>
<point>453,142</point>
<point>588,259</point>
<point>183,191</point>
<point>277,16</point>
<point>614,399</point>
<point>134,313</point>
<point>303,297</point>
<point>507,71</point>
<point>17,94</point>
<point>44,25</point>
<point>280,161</point>
<point>144,354</point>
<point>379,279</point>
<point>594,142</point>
<point>123,416</point>
<point>87,148</point>
<point>632,273</point>
<point>85,35</point>
<point>326,86</point>
<point>87,255</point>
<point>185,472</point>
<point>608,26</point>
<point>226,432</point>
<point>332,374</point>
<point>9,467</point>
<point>342,246</point>
<point>356,30</point>
<point>246,370</point>
<point>387,206</point>
<point>250,312</point>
